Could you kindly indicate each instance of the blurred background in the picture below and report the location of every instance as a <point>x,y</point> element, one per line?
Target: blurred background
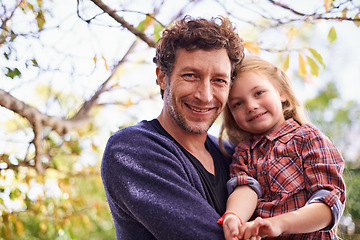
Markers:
<point>74,72</point>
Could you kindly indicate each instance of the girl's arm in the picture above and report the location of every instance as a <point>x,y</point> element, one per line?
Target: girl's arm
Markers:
<point>311,218</point>
<point>242,202</point>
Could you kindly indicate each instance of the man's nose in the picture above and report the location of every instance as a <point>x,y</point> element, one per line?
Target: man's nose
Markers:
<point>204,91</point>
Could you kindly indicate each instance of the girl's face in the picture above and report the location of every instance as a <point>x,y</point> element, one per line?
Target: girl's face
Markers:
<point>255,103</point>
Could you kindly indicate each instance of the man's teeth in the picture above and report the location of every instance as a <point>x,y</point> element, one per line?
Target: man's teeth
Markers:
<point>197,109</point>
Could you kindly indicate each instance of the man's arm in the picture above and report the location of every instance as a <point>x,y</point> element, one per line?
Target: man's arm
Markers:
<point>149,181</point>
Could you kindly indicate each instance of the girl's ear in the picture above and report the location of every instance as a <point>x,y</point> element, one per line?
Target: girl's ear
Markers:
<point>161,78</point>
<point>282,97</point>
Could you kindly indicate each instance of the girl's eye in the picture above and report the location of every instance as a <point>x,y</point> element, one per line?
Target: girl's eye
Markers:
<point>258,93</point>
<point>237,104</point>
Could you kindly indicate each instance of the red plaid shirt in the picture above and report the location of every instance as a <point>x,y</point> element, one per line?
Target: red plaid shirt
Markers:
<point>291,163</point>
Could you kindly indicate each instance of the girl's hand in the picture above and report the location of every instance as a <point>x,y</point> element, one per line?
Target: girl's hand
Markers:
<point>231,226</point>
<point>259,228</point>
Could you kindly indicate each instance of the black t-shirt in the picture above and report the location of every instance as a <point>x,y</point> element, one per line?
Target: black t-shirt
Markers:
<point>214,186</point>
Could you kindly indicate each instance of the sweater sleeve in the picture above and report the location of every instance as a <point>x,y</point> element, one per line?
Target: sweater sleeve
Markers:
<point>153,191</point>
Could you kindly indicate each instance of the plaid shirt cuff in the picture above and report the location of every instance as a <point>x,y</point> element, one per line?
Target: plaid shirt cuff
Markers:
<point>244,180</point>
<point>332,199</point>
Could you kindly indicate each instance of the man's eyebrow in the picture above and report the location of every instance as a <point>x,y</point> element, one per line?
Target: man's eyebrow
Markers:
<point>217,74</point>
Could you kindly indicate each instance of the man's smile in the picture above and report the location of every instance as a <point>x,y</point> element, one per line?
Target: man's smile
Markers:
<point>201,110</point>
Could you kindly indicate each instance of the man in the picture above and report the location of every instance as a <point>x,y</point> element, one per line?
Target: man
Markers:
<point>165,178</point>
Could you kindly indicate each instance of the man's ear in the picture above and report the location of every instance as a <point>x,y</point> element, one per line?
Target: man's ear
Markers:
<point>161,78</point>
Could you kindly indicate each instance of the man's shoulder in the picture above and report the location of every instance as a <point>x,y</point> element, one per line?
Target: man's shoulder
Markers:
<point>142,135</point>
<point>140,129</point>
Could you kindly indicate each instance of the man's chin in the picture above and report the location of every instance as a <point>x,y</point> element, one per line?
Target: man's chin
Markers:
<point>197,128</point>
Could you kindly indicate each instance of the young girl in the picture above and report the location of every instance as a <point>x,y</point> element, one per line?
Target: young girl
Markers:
<point>285,173</point>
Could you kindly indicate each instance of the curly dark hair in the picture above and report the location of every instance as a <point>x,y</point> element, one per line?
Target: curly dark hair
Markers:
<point>200,33</point>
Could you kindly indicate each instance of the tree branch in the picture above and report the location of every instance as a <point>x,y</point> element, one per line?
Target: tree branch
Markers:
<point>112,13</point>
<point>85,109</point>
<point>314,15</point>
<point>34,116</point>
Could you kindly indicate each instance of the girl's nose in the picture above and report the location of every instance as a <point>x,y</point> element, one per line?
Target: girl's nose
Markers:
<point>251,106</point>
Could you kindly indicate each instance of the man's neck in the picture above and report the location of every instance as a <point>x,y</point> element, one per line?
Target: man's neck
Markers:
<point>190,141</point>
<point>193,143</point>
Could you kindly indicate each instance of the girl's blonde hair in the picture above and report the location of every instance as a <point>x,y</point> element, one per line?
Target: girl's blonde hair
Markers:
<point>291,107</point>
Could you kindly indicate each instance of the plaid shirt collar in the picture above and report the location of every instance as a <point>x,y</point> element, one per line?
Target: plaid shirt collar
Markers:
<point>283,132</point>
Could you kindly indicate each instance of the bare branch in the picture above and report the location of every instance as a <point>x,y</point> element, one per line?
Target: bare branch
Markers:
<point>85,109</point>
<point>314,15</point>
<point>37,128</point>
<point>33,115</point>
<point>112,13</point>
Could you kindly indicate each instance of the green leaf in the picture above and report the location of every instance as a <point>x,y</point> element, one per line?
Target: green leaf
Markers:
<point>323,99</point>
<point>157,31</point>
<point>40,18</point>
<point>332,35</point>
<point>317,56</point>
<point>14,194</point>
<point>144,24</point>
<point>13,73</point>
<point>314,68</point>
<point>141,26</point>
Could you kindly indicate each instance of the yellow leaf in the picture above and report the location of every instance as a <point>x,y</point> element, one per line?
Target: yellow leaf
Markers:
<point>148,19</point>
<point>314,68</point>
<point>302,67</point>
<point>285,63</point>
<point>344,12</point>
<point>327,4</point>
<point>332,35</point>
<point>95,59</point>
<point>252,47</point>
<point>291,33</point>
<point>19,227</point>
<point>43,227</point>
<point>106,66</point>
<point>357,22</point>
<point>22,4</point>
<point>93,147</point>
<point>7,232</point>
<point>129,103</point>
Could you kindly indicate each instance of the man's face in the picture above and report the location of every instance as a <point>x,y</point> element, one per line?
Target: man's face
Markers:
<point>197,89</point>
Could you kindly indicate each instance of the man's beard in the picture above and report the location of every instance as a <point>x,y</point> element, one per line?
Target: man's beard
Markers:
<point>180,119</point>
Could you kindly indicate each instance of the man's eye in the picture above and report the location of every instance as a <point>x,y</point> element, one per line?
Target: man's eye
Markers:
<point>189,76</point>
<point>221,81</point>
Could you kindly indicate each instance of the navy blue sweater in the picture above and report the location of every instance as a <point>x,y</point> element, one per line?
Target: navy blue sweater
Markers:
<point>154,190</point>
